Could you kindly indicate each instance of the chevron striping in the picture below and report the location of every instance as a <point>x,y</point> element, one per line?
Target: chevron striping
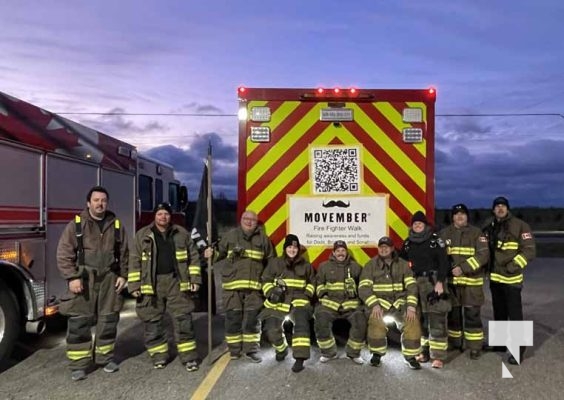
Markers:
<point>396,119</point>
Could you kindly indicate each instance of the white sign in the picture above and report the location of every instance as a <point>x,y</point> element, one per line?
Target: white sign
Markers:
<point>320,221</point>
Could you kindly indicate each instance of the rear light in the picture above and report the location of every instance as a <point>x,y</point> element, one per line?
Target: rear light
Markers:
<point>412,115</point>
<point>320,90</point>
<point>10,253</point>
<point>242,89</point>
<point>352,91</point>
<point>337,90</point>
<point>260,114</point>
<point>242,114</point>
<point>412,135</point>
<point>51,310</point>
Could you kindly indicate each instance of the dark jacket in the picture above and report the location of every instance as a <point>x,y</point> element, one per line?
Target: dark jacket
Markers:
<point>426,254</point>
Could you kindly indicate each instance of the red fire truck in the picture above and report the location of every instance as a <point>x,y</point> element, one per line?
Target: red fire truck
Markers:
<point>47,165</point>
<point>336,163</point>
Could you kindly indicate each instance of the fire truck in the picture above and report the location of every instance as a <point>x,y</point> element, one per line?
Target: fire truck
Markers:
<point>336,163</point>
<point>47,165</point>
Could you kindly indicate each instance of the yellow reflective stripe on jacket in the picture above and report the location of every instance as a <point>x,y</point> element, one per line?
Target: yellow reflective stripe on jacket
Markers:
<point>241,284</point>
<point>77,219</point>
<point>181,255</point>
<point>520,260</point>
<point>366,282</point>
<point>335,286</point>
<point>385,303</point>
<point>186,346</point>
<point>350,304</point>
<point>147,289</point>
<point>371,300</point>
<point>253,254</point>
<point>383,287</point>
<point>399,302</point>
<point>319,289</point>
<point>117,224</point>
<point>295,283</point>
<point>507,245</point>
<point>300,302</point>
<point>134,276</point>
<point>408,280</point>
<point>310,289</point>
<point>105,349</point>
<point>411,299</point>
<point>158,349</point>
<point>74,355</point>
<point>463,280</point>
<point>184,286</point>
<point>267,286</point>
<point>194,270</point>
<point>333,305</point>
<point>461,251</point>
<point>278,307</point>
<point>474,264</point>
<point>505,279</point>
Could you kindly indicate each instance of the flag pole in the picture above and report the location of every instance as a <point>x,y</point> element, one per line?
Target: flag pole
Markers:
<point>209,238</point>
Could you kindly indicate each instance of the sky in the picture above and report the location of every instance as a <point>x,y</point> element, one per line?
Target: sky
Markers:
<point>188,56</point>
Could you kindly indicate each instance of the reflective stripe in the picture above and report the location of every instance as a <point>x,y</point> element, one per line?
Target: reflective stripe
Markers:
<point>310,289</point>
<point>281,348</point>
<point>461,251</point>
<point>383,287</point>
<point>253,254</point>
<point>181,255</point>
<point>77,219</point>
<point>319,289</point>
<point>365,282</point>
<point>300,342</point>
<point>117,224</point>
<point>74,355</point>
<point>186,346</point>
<point>350,304</point>
<point>424,341</point>
<point>105,349</point>
<point>279,307</point>
<point>507,245</point>
<point>134,276</point>
<point>474,336</point>
<point>295,283</point>
<point>184,286</point>
<point>408,280</point>
<point>266,287</point>
<point>507,280</point>
<point>161,348</point>
<point>333,305</point>
<point>399,302</point>
<point>251,337</point>
<point>355,345</point>
<point>300,302</point>
<point>371,300</point>
<point>454,334</point>
<point>234,338</point>
<point>436,345</point>
<point>147,289</point>
<point>463,280</point>
<point>380,350</point>
<point>411,299</point>
<point>385,303</point>
<point>194,270</point>
<point>474,264</point>
<point>241,284</point>
<point>335,286</point>
<point>410,352</point>
<point>326,344</point>
<point>520,260</point>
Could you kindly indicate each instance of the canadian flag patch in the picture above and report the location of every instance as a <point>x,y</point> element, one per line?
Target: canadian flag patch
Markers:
<point>526,235</point>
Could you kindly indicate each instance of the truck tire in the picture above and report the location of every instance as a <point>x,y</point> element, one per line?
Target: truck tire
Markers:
<point>9,321</point>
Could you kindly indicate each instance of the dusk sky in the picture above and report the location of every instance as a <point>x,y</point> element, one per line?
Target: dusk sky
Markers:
<point>484,57</point>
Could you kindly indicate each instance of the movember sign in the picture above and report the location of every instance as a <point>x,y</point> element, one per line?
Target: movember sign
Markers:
<point>320,221</point>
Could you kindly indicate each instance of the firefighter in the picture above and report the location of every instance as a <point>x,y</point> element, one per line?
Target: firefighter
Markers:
<point>337,290</point>
<point>92,257</point>
<point>288,285</point>
<point>467,250</point>
<point>388,289</point>
<point>164,268</point>
<point>425,252</point>
<point>512,247</point>
<point>247,250</point>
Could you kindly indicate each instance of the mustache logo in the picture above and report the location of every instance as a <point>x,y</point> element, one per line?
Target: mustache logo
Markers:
<point>336,203</point>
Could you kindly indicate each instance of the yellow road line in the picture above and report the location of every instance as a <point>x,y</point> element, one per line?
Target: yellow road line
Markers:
<point>211,378</point>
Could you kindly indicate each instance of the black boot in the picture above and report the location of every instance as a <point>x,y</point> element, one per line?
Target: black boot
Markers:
<point>298,365</point>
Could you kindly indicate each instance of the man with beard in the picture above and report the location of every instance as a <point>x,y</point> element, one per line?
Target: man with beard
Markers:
<point>247,250</point>
<point>288,285</point>
<point>427,257</point>
<point>512,247</point>
<point>467,250</point>
<point>92,256</point>
<point>337,289</point>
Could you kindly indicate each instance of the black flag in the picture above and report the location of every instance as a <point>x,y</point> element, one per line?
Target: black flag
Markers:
<point>199,230</point>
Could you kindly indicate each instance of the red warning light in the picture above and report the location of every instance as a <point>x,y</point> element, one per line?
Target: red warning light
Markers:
<point>337,90</point>
<point>352,90</point>
<point>432,90</point>
<point>320,90</point>
<point>242,89</point>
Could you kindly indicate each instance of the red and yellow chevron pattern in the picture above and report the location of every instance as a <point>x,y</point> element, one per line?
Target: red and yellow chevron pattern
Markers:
<point>268,172</point>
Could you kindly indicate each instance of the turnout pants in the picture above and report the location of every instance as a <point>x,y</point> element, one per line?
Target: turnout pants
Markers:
<point>464,321</point>
<point>506,302</point>
<point>273,327</point>
<point>434,336</point>
<point>151,310</point>
<point>410,334</point>
<point>324,318</point>
<point>242,327</point>
<point>99,305</point>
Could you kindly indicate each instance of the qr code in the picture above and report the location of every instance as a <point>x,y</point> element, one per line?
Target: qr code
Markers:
<point>335,169</point>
